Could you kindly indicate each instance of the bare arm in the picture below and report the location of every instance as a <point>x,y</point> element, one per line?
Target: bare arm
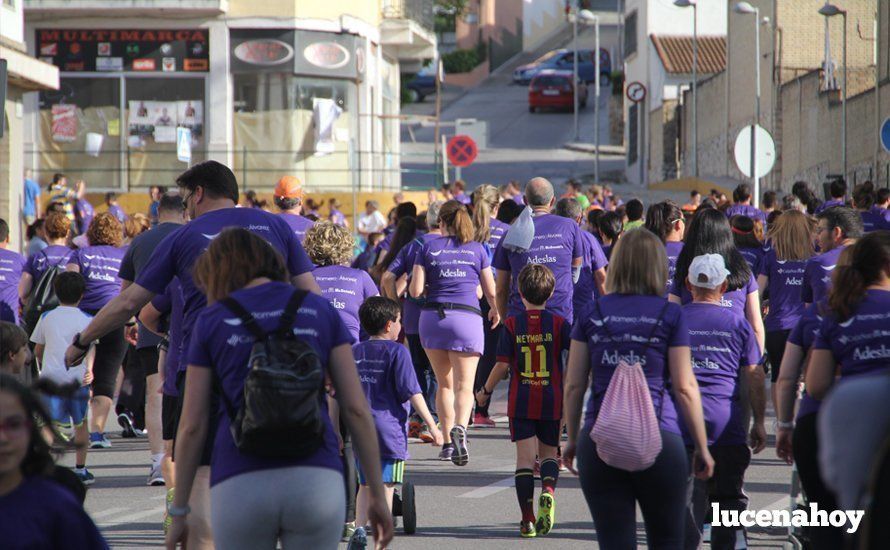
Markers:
<point>419,404</point>
<point>674,299</point>
<point>820,373</point>
<point>38,352</point>
<point>306,281</point>
<point>600,278</point>
<point>151,318</point>
<point>488,288</point>
<point>503,291</point>
<point>192,432</point>
<point>418,281</point>
<point>752,313</point>
<point>388,285</point>
<point>786,385</point>
<point>25,285</point>
<point>125,284</point>
<point>577,374</point>
<point>762,283</point>
<point>687,395</point>
<point>756,383</point>
<point>401,285</point>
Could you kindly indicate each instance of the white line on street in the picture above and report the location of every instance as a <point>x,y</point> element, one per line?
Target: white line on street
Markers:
<point>108,512</point>
<point>490,489</point>
<point>137,515</point>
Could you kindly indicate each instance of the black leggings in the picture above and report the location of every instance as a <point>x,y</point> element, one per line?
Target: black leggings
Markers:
<point>805,445</point>
<point>110,352</point>
<point>424,371</point>
<point>489,355</point>
<point>612,496</point>
<point>775,349</point>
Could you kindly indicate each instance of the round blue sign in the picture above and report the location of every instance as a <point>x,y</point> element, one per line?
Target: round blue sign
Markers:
<point>885,134</point>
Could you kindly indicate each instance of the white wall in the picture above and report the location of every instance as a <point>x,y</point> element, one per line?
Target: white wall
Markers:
<point>540,19</point>
<point>12,22</point>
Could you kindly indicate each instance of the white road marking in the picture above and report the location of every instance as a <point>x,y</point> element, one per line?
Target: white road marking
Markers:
<point>490,489</point>
<point>108,512</point>
<point>132,517</point>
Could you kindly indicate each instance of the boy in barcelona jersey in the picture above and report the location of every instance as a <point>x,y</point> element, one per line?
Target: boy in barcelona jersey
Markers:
<point>531,348</point>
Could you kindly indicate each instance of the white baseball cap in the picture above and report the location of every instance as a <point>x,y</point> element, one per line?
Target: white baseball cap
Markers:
<point>708,271</point>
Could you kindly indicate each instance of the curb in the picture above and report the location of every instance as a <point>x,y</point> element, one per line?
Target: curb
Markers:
<point>591,148</point>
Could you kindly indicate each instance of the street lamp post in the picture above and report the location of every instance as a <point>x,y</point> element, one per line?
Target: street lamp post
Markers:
<point>694,5</point>
<point>596,103</point>
<point>586,17</point>
<point>830,10</point>
<point>748,9</point>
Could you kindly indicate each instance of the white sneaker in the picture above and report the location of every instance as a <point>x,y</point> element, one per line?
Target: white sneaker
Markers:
<point>155,477</point>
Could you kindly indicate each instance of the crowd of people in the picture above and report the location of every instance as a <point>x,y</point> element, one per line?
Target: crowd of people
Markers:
<point>269,354</point>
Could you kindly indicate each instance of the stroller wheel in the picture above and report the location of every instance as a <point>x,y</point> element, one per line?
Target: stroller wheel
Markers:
<point>409,511</point>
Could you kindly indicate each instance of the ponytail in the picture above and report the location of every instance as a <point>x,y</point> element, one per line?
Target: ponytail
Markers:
<point>485,202</point>
<point>660,217</point>
<point>859,266</point>
<point>455,217</point>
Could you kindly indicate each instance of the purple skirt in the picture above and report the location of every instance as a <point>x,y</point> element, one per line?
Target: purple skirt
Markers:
<point>458,331</point>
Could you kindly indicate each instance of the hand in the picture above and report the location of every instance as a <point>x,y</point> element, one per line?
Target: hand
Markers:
<point>87,377</point>
<point>339,440</point>
<point>784,449</point>
<point>131,334</point>
<point>704,464</point>
<point>177,533</point>
<point>494,317</point>
<point>74,356</point>
<point>380,519</point>
<point>757,438</point>
<point>482,398</point>
<point>568,456</point>
<point>438,439</point>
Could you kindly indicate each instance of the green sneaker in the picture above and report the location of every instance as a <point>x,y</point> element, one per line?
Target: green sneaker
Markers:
<point>168,519</point>
<point>348,530</point>
<point>527,530</point>
<point>546,513</point>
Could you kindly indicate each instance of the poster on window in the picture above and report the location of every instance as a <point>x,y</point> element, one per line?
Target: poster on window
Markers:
<point>138,121</point>
<point>64,122</point>
<point>190,114</point>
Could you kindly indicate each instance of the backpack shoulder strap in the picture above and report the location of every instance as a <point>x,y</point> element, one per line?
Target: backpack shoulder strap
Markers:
<point>290,312</point>
<point>246,318</point>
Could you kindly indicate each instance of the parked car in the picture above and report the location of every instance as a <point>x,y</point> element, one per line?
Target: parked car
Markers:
<point>423,84</point>
<point>550,88</point>
<point>563,60</point>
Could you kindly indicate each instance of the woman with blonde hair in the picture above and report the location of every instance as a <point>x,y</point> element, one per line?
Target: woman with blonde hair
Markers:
<point>633,323</point>
<point>99,263</point>
<point>329,246</point>
<point>449,270</point>
<point>135,225</point>
<point>781,271</point>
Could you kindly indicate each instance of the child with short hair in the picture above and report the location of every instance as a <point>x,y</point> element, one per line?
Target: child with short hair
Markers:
<point>389,382</point>
<point>53,334</point>
<point>531,347</point>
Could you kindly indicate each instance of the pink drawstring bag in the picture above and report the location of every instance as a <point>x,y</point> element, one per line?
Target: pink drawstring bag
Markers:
<point>626,431</point>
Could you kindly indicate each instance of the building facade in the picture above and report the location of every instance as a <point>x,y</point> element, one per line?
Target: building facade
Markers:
<point>276,87</point>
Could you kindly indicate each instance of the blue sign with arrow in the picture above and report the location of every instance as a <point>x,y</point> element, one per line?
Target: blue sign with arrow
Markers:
<point>885,134</point>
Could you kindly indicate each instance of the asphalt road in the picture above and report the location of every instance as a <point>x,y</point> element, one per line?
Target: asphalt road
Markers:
<point>472,507</point>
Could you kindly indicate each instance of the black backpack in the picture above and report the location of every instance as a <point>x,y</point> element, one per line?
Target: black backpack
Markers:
<point>281,416</point>
<point>43,298</point>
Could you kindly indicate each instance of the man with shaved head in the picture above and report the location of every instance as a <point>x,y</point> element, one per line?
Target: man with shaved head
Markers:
<point>557,244</point>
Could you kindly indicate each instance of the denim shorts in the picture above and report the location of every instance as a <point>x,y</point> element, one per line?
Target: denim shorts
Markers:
<point>71,409</point>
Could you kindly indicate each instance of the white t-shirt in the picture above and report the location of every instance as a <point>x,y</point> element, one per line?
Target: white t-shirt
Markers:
<point>56,330</point>
<point>374,222</point>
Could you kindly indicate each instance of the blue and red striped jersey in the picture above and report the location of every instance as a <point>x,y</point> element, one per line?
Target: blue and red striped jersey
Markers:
<point>532,343</point>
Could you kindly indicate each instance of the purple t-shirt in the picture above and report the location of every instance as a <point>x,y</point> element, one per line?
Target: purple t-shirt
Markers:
<point>11,266</point>
<point>498,230</point>
<point>51,256</point>
<point>803,335</point>
<point>99,266</point>
<point>347,289</point>
<point>746,210</point>
<point>860,344</point>
<point>817,275</point>
<point>720,345</point>
<point>223,344</point>
<point>557,242</point>
<point>404,264</point>
<point>85,213</point>
<point>754,257</point>
<point>388,379</point>
<point>118,213</point>
<point>298,224</point>
<point>618,331</point>
<point>734,300</point>
<point>452,270</point>
<point>874,221</point>
<point>593,260</point>
<point>41,513</point>
<point>463,198</point>
<point>829,204</point>
<point>673,249</point>
<point>337,217</point>
<point>785,281</point>
<point>178,252</point>
<point>170,304</point>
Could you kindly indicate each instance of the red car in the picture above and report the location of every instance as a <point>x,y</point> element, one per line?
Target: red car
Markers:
<point>552,88</point>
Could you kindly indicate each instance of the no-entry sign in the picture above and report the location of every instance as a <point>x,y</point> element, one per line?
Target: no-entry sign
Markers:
<point>462,151</point>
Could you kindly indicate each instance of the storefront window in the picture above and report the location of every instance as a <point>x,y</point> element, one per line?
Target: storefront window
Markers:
<point>287,124</point>
<point>155,108</point>
<point>80,128</point>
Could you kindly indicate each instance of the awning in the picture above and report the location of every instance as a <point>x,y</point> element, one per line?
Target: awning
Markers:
<point>405,38</point>
<point>675,53</point>
<point>29,73</point>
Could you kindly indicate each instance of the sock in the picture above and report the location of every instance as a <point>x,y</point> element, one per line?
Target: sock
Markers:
<point>524,479</point>
<point>156,459</point>
<point>549,474</point>
<point>80,467</point>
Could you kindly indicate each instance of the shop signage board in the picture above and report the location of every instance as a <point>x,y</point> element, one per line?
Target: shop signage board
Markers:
<point>308,53</point>
<point>89,50</point>
<point>261,50</point>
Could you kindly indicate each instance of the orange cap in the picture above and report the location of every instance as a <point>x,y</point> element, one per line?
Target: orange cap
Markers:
<point>289,187</point>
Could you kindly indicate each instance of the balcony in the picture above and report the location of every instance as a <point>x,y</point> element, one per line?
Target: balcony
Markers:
<point>124,7</point>
<point>406,29</point>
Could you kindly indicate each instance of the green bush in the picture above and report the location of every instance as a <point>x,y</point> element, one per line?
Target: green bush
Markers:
<point>617,82</point>
<point>405,94</point>
<point>460,61</point>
